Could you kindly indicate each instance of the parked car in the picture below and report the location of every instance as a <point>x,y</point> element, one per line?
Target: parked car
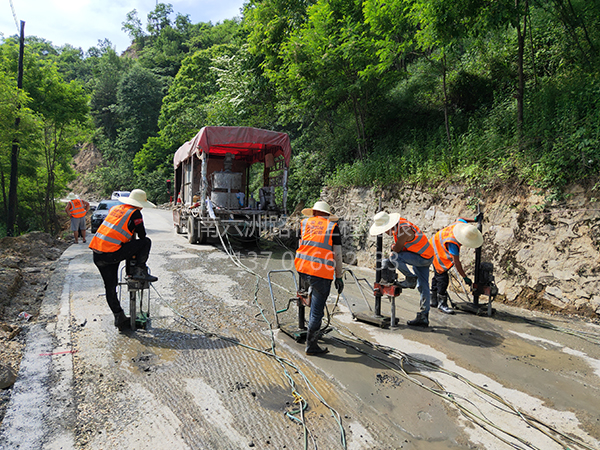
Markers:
<point>117,194</point>
<point>101,212</point>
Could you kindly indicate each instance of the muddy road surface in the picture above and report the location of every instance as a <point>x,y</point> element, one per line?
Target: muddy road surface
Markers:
<point>214,370</point>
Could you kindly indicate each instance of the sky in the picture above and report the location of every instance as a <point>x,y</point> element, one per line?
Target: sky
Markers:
<point>82,23</point>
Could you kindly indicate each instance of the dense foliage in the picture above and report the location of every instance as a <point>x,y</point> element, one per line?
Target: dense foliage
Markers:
<point>372,92</point>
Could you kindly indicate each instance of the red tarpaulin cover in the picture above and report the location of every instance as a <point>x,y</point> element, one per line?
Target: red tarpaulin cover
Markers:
<point>247,143</point>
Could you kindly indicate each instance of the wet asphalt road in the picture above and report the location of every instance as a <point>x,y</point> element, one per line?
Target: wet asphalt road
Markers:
<point>213,371</point>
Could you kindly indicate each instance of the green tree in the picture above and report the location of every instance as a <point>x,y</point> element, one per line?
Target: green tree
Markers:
<point>108,69</point>
<point>133,27</point>
<point>64,110</point>
<point>325,64</point>
<point>61,109</point>
<point>270,23</point>
<point>158,19</point>
<point>13,104</point>
<point>139,98</point>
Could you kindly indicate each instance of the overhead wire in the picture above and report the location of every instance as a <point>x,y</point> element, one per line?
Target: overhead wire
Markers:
<point>12,7</point>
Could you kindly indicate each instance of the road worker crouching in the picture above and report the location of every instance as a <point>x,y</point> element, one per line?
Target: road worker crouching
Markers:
<point>115,241</point>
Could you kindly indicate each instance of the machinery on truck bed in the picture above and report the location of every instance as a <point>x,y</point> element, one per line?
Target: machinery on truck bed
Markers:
<point>212,182</point>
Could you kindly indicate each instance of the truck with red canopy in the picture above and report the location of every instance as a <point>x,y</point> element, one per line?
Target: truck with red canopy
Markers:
<point>212,182</point>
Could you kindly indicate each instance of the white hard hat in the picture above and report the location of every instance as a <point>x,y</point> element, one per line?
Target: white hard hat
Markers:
<point>468,235</point>
<point>320,206</point>
<point>137,198</point>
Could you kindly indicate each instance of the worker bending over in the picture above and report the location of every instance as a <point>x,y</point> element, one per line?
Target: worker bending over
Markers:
<point>410,248</point>
<point>115,241</point>
<point>446,246</point>
<point>318,261</point>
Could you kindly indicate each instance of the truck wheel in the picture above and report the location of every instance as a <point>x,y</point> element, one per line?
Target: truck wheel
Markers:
<point>203,232</point>
<point>192,232</point>
<point>178,229</point>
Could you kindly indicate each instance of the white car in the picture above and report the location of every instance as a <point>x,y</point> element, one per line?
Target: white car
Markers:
<point>118,194</point>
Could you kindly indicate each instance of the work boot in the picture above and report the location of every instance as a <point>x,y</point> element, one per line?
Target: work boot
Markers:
<point>388,275</point>
<point>434,300</point>
<point>422,320</point>
<point>443,306</point>
<point>122,322</point>
<point>312,348</point>
<point>409,283</point>
<point>142,274</point>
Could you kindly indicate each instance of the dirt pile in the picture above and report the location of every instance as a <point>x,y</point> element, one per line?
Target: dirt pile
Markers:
<point>26,264</point>
<point>86,161</point>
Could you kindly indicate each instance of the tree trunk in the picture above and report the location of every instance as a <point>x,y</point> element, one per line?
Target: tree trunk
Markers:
<point>14,158</point>
<point>521,34</point>
<point>360,127</point>
<point>446,116</point>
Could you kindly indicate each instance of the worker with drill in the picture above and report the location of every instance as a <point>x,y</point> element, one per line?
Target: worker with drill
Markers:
<point>115,241</point>
<point>446,245</point>
<point>318,261</point>
<point>410,248</point>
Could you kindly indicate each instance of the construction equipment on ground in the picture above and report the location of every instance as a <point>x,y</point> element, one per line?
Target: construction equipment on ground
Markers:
<point>484,283</point>
<point>139,298</point>
<point>381,287</point>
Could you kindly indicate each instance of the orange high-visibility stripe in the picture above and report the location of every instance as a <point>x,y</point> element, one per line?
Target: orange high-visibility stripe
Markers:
<point>419,244</point>
<point>77,209</point>
<point>113,232</point>
<point>315,253</point>
<point>442,260</point>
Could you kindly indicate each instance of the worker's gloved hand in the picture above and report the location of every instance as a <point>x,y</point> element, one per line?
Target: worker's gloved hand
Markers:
<point>468,281</point>
<point>479,217</point>
<point>339,285</point>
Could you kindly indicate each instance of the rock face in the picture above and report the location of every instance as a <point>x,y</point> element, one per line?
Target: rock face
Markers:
<point>545,255</point>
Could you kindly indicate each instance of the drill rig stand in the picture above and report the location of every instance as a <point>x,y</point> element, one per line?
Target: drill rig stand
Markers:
<point>484,283</point>
<point>381,288</point>
<point>302,300</point>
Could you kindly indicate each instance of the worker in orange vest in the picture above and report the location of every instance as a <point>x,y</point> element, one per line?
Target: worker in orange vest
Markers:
<point>77,209</point>
<point>115,241</point>
<point>410,248</point>
<point>446,245</point>
<point>318,261</point>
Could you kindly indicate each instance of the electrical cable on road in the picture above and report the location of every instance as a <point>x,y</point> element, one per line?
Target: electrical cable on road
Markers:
<point>283,361</point>
<point>476,417</point>
<point>594,338</point>
<point>452,398</point>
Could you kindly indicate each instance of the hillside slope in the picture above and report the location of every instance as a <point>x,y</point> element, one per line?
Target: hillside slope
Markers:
<point>545,255</point>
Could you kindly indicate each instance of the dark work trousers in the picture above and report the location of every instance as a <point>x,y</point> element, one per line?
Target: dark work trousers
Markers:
<point>108,265</point>
<point>439,285</point>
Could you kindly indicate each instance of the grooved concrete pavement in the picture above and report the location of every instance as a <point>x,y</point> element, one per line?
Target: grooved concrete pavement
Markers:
<point>204,375</point>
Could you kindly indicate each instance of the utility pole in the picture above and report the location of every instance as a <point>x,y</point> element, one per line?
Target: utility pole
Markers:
<point>14,157</point>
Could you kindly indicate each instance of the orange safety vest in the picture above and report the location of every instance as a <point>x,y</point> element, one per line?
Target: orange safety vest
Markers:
<point>315,253</point>
<point>114,232</point>
<point>77,209</point>
<point>443,259</point>
<point>419,244</point>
